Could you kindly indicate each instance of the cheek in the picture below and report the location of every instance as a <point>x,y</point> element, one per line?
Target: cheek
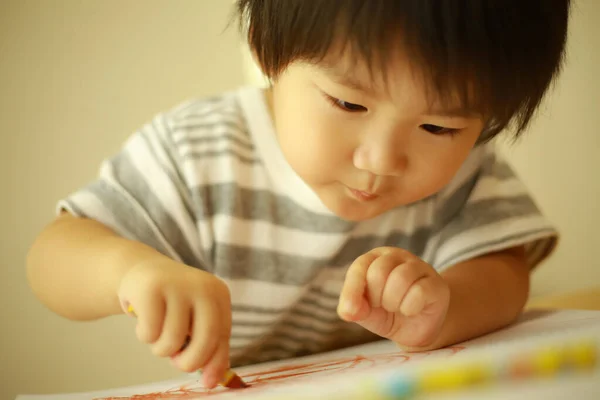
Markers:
<point>311,144</point>
<point>435,169</point>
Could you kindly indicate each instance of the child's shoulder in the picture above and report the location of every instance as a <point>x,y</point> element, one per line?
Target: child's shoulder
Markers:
<point>215,108</point>
<point>215,118</point>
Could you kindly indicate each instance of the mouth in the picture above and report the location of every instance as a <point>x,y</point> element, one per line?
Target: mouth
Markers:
<point>362,195</point>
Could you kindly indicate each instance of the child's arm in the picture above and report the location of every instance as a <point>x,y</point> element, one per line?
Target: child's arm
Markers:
<point>82,270</point>
<point>398,296</point>
<point>75,267</point>
<point>487,293</point>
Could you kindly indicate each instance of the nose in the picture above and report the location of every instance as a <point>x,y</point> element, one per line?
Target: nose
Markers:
<point>381,155</point>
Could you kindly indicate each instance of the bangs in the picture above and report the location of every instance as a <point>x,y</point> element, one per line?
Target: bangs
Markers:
<point>496,58</point>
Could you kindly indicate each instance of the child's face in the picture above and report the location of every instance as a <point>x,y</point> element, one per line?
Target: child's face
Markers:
<point>363,146</point>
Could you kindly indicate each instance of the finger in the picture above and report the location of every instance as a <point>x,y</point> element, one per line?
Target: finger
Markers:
<point>420,294</point>
<point>150,312</point>
<point>434,297</point>
<point>377,276</point>
<point>218,363</point>
<point>224,304</point>
<point>214,370</point>
<point>176,327</point>
<point>353,289</point>
<point>400,280</point>
<point>204,339</point>
<point>380,322</point>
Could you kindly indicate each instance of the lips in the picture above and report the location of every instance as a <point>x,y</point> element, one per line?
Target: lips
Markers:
<point>362,195</point>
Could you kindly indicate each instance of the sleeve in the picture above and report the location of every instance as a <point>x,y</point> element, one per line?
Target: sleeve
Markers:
<point>141,194</point>
<point>486,208</point>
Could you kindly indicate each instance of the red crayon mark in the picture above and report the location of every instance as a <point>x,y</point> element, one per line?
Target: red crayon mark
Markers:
<point>261,380</point>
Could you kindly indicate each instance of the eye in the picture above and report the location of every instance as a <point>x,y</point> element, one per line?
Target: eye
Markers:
<point>349,106</point>
<point>344,105</point>
<point>438,130</point>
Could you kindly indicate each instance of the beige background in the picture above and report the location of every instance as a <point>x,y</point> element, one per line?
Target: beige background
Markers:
<point>77,77</point>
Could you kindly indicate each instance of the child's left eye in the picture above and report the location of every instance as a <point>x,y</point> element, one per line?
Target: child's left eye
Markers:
<point>438,130</point>
<point>345,105</point>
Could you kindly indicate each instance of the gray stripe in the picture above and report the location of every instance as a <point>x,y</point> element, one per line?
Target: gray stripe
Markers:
<point>263,205</point>
<point>355,247</point>
<point>75,208</point>
<point>500,170</point>
<point>217,129</point>
<point>177,113</point>
<point>221,137</point>
<point>237,262</point>
<point>319,335</point>
<point>480,247</point>
<point>486,212</point>
<point>294,312</point>
<point>201,155</point>
<point>289,323</point>
<point>224,109</point>
<point>455,203</point>
<point>320,293</point>
<point>125,214</point>
<point>318,304</point>
<point>127,174</point>
<point>176,177</point>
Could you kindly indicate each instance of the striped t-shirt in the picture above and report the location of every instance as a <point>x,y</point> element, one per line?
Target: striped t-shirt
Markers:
<point>207,184</point>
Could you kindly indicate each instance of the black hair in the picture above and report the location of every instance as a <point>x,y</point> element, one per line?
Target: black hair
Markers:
<point>499,56</point>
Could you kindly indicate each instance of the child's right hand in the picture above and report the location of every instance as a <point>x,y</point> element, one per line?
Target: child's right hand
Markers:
<point>171,301</point>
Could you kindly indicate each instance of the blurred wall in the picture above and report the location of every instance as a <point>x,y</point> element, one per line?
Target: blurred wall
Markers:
<point>77,77</point>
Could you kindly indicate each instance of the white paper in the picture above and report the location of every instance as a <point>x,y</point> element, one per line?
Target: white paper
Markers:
<point>320,375</point>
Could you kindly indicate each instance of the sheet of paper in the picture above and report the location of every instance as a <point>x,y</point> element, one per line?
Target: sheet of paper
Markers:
<point>316,374</point>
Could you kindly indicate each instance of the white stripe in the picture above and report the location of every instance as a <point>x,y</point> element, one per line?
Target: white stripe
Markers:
<point>151,133</point>
<point>165,191</point>
<point>226,169</point>
<point>251,293</point>
<point>263,235</point>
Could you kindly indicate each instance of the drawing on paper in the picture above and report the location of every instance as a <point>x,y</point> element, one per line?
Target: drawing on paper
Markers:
<point>262,380</point>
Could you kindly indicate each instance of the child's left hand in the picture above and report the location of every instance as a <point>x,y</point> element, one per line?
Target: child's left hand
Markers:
<point>396,295</point>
